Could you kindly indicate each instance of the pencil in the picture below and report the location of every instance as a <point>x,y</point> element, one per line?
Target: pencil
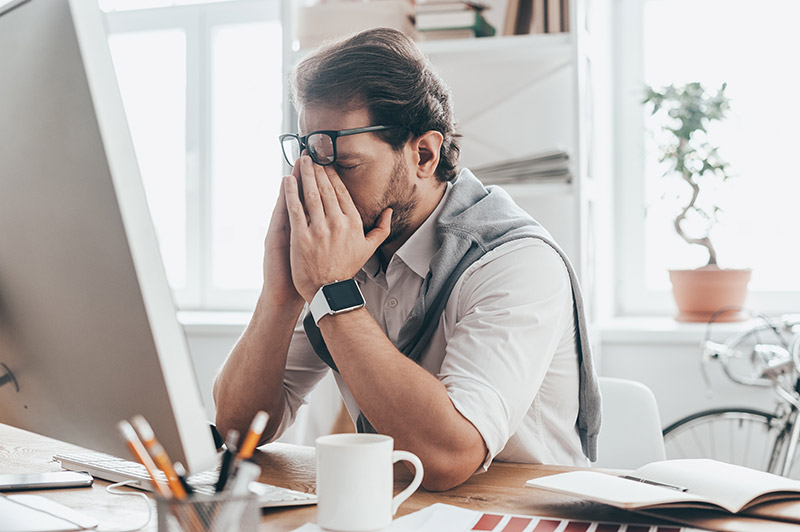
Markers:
<point>162,461</point>
<point>159,456</point>
<point>250,442</point>
<point>140,453</point>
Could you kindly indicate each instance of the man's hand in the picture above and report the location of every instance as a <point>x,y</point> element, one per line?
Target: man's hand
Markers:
<point>327,234</point>
<point>278,288</point>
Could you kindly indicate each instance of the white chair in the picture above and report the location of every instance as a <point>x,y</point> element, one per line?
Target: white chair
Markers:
<point>630,435</point>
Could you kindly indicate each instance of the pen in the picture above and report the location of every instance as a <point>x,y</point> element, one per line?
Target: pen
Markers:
<point>140,453</point>
<point>654,483</point>
<point>231,515</point>
<point>250,442</point>
<point>181,472</point>
<point>227,457</point>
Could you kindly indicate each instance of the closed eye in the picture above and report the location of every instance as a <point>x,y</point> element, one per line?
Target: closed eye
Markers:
<point>340,166</point>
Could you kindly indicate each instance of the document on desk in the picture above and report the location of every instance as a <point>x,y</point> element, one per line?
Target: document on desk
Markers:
<point>446,518</point>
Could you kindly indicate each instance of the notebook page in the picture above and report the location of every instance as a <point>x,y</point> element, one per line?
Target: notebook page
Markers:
<point>609,489</point>
<point>732,486</point>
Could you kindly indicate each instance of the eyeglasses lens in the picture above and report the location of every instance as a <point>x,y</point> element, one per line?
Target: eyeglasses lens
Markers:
<point>320,147</point>
<point>291,149</point>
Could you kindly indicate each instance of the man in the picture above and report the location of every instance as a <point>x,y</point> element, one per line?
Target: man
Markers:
<point>471,346</point>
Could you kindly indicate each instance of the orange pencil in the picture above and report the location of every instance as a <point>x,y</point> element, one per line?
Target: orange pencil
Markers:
<point>159,456</point>
<point>257,427</point>
<point>162,461</point>
<point>140,453</point>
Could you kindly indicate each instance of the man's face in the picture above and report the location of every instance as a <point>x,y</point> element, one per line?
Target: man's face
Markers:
<point>375,175</point>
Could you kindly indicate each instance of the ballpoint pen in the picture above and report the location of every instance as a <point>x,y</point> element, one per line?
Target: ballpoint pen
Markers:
<point>227,459</point>
<point>250,442</point>
<point>238,490</point>
<point>654,483</point>
<point>181,472</point>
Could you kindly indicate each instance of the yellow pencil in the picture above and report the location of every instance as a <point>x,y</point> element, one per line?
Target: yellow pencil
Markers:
<point>140,453</point>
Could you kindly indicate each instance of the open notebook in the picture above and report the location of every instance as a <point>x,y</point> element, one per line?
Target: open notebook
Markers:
<point>708,484</point>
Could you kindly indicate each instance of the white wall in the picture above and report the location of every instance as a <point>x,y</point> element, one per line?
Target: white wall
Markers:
<point>211,337</point>
<point>666,356</point>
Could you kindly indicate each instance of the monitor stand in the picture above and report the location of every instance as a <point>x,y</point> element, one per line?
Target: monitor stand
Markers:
<point>34,513</point>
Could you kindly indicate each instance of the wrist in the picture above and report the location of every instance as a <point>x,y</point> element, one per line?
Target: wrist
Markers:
<point>269,304</point>
<point>336,298</point>
<point>309,289</point>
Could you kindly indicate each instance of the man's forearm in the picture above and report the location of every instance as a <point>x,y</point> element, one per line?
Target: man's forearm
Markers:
<point>403,400</point>
<point>252,377</point>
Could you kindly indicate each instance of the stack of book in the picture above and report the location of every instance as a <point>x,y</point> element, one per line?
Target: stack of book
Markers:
<point>451,19</point>
<point>536,16</point>
<point>545,167</point>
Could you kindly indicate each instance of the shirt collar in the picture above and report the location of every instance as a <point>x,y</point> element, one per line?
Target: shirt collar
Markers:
<point>418,251</point>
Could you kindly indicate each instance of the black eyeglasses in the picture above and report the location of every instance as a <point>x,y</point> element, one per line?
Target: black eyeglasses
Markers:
<point>320,145</point>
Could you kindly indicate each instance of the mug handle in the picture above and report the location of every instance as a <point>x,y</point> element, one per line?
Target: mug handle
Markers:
<point>401,497</point>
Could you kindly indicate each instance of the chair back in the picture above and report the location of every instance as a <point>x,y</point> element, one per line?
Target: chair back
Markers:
<point>630,435</point>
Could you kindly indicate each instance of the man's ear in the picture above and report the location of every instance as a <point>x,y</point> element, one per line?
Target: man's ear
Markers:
<point>426,148</point>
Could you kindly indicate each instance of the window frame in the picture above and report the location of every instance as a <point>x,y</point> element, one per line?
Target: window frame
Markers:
<point>632,296</point>
<point>198,22</point>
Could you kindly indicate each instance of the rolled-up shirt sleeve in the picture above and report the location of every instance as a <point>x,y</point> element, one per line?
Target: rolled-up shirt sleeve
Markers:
<point>304,370</point>
<point>507,319</point>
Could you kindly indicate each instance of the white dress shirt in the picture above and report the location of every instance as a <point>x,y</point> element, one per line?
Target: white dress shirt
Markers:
<point>505,347</point>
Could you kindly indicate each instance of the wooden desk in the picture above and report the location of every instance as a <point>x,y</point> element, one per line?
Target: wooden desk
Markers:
<point>501,489</point>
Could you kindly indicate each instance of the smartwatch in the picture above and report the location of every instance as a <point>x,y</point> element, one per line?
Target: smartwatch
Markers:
<point>335,298</point>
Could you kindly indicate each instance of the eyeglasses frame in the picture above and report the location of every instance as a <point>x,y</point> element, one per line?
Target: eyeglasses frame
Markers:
<point>333,134</point>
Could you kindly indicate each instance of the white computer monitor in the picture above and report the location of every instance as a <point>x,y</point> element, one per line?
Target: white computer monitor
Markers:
<point>88,329</point>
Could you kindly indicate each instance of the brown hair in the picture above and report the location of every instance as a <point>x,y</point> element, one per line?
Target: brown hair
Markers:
<point>382,70</point>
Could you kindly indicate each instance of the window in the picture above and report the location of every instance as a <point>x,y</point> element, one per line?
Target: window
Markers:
<point>202,88</point>
<point>752,47</point>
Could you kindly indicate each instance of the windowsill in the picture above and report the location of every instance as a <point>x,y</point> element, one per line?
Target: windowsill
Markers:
<point>660,329</point>
<point>213,322</point>
<point>621,330</point>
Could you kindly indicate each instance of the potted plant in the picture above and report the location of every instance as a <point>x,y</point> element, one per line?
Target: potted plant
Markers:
<point>687,154</point>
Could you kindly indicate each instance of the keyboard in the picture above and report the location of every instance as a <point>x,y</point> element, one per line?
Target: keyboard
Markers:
<point>115,469</point>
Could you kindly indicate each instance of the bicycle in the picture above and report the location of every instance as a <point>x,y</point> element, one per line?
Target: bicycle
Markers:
<point>741,435</point>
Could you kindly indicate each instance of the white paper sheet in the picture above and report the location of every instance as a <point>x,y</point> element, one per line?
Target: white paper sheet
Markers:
<point>34,513</point>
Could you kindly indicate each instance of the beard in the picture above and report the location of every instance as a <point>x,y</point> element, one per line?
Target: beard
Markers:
<point>401,197</point>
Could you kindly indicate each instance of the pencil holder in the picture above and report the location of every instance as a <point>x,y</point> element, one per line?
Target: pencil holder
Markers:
<point>218,513</point>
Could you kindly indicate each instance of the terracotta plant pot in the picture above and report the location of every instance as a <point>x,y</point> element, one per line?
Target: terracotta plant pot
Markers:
<point>701,292</point>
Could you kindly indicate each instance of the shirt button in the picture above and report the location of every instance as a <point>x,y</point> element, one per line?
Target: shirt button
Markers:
<point>392,302</point>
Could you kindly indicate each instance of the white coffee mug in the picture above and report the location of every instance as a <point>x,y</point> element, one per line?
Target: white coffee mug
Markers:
<point>355,478</point>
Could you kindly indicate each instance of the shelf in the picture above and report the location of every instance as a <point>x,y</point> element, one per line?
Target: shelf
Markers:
<point>537,190</point>
<point>505,48</point>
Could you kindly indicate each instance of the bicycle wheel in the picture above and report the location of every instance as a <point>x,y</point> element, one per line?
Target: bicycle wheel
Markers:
<point>742,436</point>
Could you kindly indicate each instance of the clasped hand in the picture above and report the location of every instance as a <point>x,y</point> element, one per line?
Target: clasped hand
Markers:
<point>327,241</point>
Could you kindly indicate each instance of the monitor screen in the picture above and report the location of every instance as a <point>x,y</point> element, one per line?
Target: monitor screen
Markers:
<point>88,330</point>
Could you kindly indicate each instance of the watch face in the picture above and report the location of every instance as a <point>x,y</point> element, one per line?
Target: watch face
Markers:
<point>343,295</point>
